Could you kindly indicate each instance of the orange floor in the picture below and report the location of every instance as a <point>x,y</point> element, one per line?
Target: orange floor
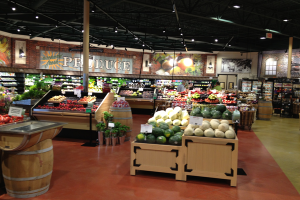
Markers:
<point>103,173</point>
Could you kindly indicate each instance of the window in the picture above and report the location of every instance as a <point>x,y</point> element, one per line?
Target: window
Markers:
<point>271,66</point>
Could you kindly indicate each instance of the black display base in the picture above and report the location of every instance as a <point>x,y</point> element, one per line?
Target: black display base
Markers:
<point>89,144</point>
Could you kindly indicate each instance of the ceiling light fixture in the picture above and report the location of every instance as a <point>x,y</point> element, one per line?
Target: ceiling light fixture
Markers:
<point>216,40</point>
<point>229,45</point>
<point>262,38</point>
<point>136,38</point>
<point>18,30</point>
<point>286,20</point>
<point>116,29</point>
<point>181,33</point>
<point>13,7</point>
<point>173,7</point>
<point>143,44</point>
<point>36,16</point>
<point>164,30</point>
<point>237,6</point>
<point>193,40</point>
<point>179,28</point>
<point>94,8</point>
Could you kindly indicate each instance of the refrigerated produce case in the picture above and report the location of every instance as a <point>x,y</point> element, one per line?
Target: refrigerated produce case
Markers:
<point>267,90</point>
<point>13,81</point>
<point>256,86</point>
<point>246,85</point>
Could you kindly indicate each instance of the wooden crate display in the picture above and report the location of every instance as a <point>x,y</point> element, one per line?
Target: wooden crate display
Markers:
<point>247,118</point>
<point>210,157</point>
<point>156,158</point>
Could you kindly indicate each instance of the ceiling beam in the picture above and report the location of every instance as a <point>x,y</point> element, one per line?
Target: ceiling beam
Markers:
<point>38,4</point>
<point>209,18</point>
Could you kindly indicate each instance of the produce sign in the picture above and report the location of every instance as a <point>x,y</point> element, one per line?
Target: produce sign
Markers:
<point>6,119</point>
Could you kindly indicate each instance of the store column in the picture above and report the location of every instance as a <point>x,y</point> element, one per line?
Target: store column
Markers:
<point>290,57</point>
<point>86,33</point>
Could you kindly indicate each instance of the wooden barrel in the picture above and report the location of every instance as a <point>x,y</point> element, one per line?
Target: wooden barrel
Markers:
<point>17,142</point>
<point>28,173</point>
<point>265,110</point>
<point>124,116</point>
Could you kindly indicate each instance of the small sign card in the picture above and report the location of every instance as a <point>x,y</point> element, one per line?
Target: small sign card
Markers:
<point>196,120</point>
<point>146,128</point>
<point>79,94</point>
<point>111,125</point>
<point>120,98</point>
<point>63,92</point>
<point>90,93</point>
<point>15,111</point>
<point>141,89</point>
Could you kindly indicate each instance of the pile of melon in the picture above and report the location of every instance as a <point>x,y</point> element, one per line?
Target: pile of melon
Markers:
<point>176,117</point>
<point>214,128</point>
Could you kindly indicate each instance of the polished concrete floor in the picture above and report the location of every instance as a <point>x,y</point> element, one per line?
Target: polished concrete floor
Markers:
<point>281,137</point>
<point>268,156</point>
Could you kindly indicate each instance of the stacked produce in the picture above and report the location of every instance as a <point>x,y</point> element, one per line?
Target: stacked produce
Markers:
<point>171,116</point>
<point>162,134</point>
<point>120,104</point>
<point>87,99</point>
<point>57,99</point>
<point>71,105</point>
<point>217,112</point>
<point>6,119</point>
<point>214,128</point>
<point>212,98</point>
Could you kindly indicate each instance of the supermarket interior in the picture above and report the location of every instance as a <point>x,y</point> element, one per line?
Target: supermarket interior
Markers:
<point>101,100</point>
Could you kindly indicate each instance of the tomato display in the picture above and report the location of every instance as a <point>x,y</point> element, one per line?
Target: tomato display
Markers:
<point>6,119</point>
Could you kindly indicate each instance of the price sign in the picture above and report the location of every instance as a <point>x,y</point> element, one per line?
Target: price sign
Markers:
<point>79,94</point>
<point>141,89</point>
<point>15,111</point>
<point>90,93</point>
<point>196,120</point>
<point>111,125</point>
<point>75,91</point>
<point>120,98</point>
<point>53,83</point>
<point>63,92</point>
<point>146,128</point>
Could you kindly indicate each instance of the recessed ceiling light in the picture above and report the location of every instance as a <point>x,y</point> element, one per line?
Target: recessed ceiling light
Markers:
<point>136,38</point>
<point>262,38</point>
<point>286,20</point>
<point>193,40</point>
<point>13,8</point>
<point>36,16</point>
<point>18,30</point>
<point>229,45</point>
<point>237,6</point>
<point>216,40</point>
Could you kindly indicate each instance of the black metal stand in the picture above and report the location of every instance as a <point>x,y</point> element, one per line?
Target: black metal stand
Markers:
<point>90,143</point>
<point>236,128</point>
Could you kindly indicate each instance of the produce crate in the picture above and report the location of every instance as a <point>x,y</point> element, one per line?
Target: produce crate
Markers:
<point>156,158</point>
<point>247,118</point>
<point>210,157</point>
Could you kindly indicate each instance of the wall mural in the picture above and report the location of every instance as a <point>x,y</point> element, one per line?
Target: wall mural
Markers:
<point>184,64</point>
<point>74,62</point>
<point>236,65</point>
<point>5,51</point>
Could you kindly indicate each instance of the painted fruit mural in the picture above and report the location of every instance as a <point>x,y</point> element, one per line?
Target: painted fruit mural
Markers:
<point>181,64</point>
<point>4,52</point>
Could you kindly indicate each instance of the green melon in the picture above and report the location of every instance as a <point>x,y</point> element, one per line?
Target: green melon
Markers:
<point>176,129</point>
<point>150,138</point>
<point>221,108</point>
<point>140,137</point>
<point>161,140</point>
<point>157,132</point>
<point>168,133</point>
<point>175,140</point>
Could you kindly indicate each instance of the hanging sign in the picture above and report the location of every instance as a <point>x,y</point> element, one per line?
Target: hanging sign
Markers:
<point>269,35</point>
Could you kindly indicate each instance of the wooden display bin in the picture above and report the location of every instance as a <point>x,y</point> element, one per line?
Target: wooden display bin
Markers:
<point>75,120</point>
<point>210,157</point>
<point>156,158</point>
<point>140,103</point>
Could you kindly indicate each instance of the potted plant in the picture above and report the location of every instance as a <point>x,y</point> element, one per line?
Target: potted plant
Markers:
<point>107,137</point>
<point>114,138</point>
<point>122,133</point>
<point>101,128</point>
<point>108,117</point>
